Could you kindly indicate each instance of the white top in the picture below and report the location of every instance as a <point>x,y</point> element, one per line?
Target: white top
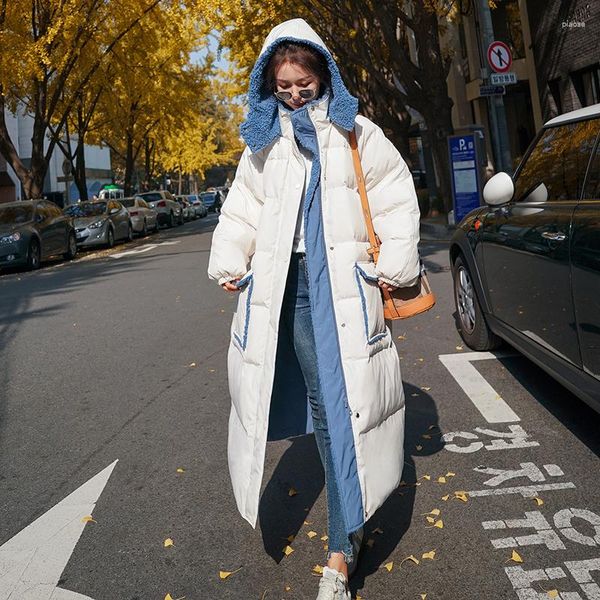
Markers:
<point>575,115</point>
<point>298,245</point>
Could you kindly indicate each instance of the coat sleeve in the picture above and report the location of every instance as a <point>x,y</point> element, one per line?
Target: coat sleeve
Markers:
<point>234,238</point>
<point>394,207</point>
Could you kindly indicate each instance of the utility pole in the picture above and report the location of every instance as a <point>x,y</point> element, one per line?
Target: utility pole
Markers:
<point>496,110</point>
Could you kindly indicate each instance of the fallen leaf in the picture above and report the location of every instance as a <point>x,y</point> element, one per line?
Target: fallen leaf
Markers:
<point>211,370</point>
<point>288,550</point>
<point>421,359</point>
<point>552,593</point>
<point>370,542</point>
<point>222,310</point>
<point>377,530</point>
<point>307,523</point>
<point>312,534</point>
<point>430,555</point>
<point>414,395</point>
<point>401,337</point>
<point>446,497</point>
<point>450,474</point>
<point>180,470</point>
<point>318,569</point>
<point>430,520</point>
<point>292,492</point>
<point>516,557</point>
<point>168,543</point>
<point>287,588</point>
<point>226,574</point>
<point>441,479</point>
<point>193,364</point>
<point>461,496</point>
<point>325,547</point>
<point>425,389</point>
<point>459,347</point>
<point>432,427</point>
<point>324,538</point>
<point>428,477</point>
<point>539,501</point>
<point>439,524</point>
<point>412,558</point>
<point>419,448</point>
<point>88,519</point>
<point>290,538</point>
<point>389,566</point>
<point>168,597</point>
<point>426,436</point>
<point>424,596</point>
<point>435,512</point>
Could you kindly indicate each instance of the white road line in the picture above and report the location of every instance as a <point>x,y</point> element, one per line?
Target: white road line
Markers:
<point>142,249</point>
<point>32,562</point>
<point>527,491</point>
<point>485,398</point>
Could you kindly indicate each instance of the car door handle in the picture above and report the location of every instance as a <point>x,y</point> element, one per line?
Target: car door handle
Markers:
<point>555,236</point>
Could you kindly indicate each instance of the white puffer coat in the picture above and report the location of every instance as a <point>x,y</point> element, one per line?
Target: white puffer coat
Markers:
<point>358,363</point>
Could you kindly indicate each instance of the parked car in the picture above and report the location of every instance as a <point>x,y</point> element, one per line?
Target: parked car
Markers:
<point>169,211</point>
<point>188,211</point>
<point>100,222</point>
<point>143,218</point>
<point>213,200</point>
<point>526,266</point>
<point>32,231</point>
<point>198,205</point>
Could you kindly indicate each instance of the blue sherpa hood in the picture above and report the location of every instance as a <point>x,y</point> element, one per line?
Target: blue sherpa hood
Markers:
<point>262,125</point>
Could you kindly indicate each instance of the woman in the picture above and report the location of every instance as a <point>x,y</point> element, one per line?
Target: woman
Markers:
<point>309,346</point>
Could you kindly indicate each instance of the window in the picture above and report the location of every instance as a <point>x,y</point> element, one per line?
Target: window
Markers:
<point>587,85</point>
<point>554,86</point>
<point>592,184</point>
<point>555,169</point>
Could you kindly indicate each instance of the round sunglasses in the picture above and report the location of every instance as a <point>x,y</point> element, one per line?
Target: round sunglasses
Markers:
<point>307,94</point>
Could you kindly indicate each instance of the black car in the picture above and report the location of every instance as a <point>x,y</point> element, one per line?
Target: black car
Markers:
<point>32,231</point>
<point>526,266</point>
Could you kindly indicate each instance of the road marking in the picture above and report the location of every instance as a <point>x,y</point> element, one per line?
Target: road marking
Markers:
<point>32,562</point>
<point>142,249</point>
<point>485,398</point>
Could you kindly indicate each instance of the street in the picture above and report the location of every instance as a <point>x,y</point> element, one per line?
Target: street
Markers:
<point>115,364</point>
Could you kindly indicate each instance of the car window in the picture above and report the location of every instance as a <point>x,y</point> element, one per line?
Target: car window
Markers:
<point>592,184</point>
<point>15,214</point>
<point>555,169</point>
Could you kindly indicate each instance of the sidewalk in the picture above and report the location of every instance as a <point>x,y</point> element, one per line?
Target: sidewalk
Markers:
<point>436,229</point>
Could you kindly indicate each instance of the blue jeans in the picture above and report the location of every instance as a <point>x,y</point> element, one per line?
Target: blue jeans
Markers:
<point>296,322</point>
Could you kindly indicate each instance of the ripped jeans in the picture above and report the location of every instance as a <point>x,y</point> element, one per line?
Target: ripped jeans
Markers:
<point>296,322</point>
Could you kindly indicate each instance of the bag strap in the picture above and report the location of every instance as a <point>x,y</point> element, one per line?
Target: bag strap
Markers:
<point>362,190</point>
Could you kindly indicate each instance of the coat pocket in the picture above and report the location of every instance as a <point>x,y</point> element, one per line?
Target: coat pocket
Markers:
<point>241,319</point>
<point>371,301</point>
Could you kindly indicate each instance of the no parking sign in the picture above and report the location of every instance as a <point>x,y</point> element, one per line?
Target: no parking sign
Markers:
<point>499,57</point>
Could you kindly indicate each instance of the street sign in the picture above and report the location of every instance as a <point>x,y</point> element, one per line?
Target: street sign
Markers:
<point>464,167</point>
<point>491,90</point>
<point>499,57</point>
<point>503,78</point>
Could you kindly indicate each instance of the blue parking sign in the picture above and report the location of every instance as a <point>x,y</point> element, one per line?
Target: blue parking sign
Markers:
<point>465,174</point>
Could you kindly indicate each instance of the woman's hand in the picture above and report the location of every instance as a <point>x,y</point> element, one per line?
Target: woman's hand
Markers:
<point>229,286</point>
<point>386,286</point>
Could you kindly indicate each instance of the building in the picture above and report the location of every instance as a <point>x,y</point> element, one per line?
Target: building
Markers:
<point>20,128</point>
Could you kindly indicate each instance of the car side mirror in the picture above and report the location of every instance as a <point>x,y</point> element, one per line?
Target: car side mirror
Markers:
<point>499,189</point>
<point>113,211</point>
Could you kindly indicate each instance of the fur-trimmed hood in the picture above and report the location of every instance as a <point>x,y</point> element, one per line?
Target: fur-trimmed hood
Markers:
<point>262,125</point>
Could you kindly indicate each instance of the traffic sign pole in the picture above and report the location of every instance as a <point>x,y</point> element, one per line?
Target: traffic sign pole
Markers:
<point>497,113</point>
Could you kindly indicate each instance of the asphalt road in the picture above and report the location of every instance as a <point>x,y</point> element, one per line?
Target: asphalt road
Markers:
<point>121,357</point>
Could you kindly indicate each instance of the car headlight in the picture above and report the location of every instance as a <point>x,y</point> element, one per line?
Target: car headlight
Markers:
<point>97,224</point>
<point>13,237</point>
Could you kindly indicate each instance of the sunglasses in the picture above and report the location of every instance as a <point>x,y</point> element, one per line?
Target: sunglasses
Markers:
<point>307,94</point>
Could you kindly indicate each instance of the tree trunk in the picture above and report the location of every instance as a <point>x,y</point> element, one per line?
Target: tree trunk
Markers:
<point>79,175</point>
<point>129,166</point>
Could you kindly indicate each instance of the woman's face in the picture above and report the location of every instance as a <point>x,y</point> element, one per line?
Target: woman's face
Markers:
<point>293,78</point>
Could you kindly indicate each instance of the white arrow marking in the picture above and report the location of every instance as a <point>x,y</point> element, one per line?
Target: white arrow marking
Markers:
<point>141,249</point>
<point>485,398</point>
<point>32,562</point>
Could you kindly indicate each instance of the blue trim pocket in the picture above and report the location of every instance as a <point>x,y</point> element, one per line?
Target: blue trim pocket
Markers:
<point>242,314</point>
<point>375,328</point>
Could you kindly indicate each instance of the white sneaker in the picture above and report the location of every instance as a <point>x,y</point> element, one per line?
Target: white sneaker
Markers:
<point>333,586</point>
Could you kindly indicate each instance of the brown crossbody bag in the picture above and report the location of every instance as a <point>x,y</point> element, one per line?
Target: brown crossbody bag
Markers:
<point>404,302</point>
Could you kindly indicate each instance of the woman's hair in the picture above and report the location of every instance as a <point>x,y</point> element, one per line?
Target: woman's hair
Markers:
<point>299,54</point>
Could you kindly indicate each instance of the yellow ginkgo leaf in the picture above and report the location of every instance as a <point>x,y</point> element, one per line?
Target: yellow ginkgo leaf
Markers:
<point>425,389</point>
<point>389,566</point>
<point>421,359</point>
<point>324,538</point>
<point>446,497</point>
<point>377,530</point>
<point>441,479</point>
<point>180,470</point>
<point>427,477</point>
<point>430,555</point>
<point>539,501</point>
<point>552,593</point>
<point>516,557</point>
<point>288,550</point>
<point>168,543</point>
<point>412,558</point>
<point>287,588</point>
<point>435,512</point>
<point>423,596</point>
<point>461,496</point>
<point>459,347</point>
<point>226,574</point>
<point>168,597</point>
<point>192,364</point>
<point>88,519</point>
<point>292,492</point>
<point>450,474</point>
<point>439,524</point>
<point>307,523</point>
<point>318,569</point>
<point>312,534</point>
<point>325,547</point>
<point>401,337</point>
<point>290,538</point>
<point>430,520</point>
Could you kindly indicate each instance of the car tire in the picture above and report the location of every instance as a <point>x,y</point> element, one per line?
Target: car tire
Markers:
<point>470,319</point>
<point>144,229</point>
<point>170,220</point>
<point>110,238</point>
<point>34,255</point>
<point>181,220</point>
<point>156,225</point>
<point>71,252</point>
<point>129,237</point>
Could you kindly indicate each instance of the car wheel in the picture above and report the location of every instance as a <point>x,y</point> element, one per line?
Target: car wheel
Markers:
<point>471,322</point>
<point>156,225</point>
<point>71,252</point>
<point>110,238</point>
<point>170,220</point>
<point>145,229</point>
<point>33,255</point>
<point>129,233</point>
<point>181,219</point>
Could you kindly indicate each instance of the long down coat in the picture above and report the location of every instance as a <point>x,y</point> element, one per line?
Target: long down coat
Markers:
<point>358,364</point>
